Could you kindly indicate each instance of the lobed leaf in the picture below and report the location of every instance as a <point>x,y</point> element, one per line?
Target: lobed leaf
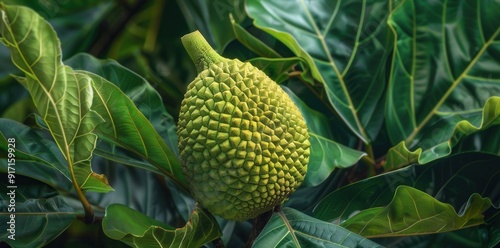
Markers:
<point>413,212</point>
<point>291,228</point>
<point>450,180</point>
<point>451,129</point>
<point>138,230</point>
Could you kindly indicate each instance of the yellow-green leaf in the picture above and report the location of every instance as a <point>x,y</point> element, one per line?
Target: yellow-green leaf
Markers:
<point>63,97</point>
<point>413,212</point>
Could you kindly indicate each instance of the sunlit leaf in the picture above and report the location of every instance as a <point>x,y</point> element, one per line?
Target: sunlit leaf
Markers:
<point>291,228</point>
<point>135,229</point>
<point>127,127</point>
<point>413,212</point>
<point>145,97</point>
<point>451,180</point>
<point>63,98</point>
<point>136,121</point>
<point>343,55</point>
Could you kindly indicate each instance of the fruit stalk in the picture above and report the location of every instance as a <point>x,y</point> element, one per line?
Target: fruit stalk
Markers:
<point>200,52</point>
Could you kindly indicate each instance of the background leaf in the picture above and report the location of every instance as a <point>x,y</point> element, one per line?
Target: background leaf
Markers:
<point>326,155</point>
<point>37,154</point>
<point>39,212</point>
<point>443,71</point>
<point>339,53</point>
<point>212,19</point>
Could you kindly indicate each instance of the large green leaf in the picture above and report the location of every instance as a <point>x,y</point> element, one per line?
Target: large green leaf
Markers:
<point>343,43</point>
<point>40,212</point>
<point>129,180</point>
<point>145,97</point>
<point>446,133</point>
<point>450,180</point>
<point>138,230</point>
<point>326,154</point>
<point>291,228</point>
<point>63,97</point>
<point>444,69</point>
<point>413,212</point>
<point>127,127</point>
<point>475,236</point>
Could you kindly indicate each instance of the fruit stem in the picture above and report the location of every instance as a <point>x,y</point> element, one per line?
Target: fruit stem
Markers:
<point>200,52</point>
<point>259,223</point>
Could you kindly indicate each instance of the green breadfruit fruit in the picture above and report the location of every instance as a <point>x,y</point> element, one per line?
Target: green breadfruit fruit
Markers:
<point>243,143</point>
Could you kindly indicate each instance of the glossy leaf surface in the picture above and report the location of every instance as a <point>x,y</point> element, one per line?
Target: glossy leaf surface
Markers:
<point>451,181</point>
<point>444,71</point>
<point>136,229</point>
<point>343,55</point>
<point>63,97</point>
<point>413,212</point>
<point>291,228</point>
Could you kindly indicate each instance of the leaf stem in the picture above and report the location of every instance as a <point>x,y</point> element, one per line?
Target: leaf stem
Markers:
<point>369,151</point>
<point>89,213</point>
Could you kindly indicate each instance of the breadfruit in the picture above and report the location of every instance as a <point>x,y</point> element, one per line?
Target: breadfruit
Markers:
<point>243,143</point>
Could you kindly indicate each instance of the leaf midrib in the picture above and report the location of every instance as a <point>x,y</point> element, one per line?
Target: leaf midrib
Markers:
<point>34,75</point>
<point>453,85</point>
<point>340,76</point>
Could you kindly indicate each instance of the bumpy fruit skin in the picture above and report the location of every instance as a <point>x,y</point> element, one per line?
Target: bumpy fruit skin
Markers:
<point>243,143</point>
